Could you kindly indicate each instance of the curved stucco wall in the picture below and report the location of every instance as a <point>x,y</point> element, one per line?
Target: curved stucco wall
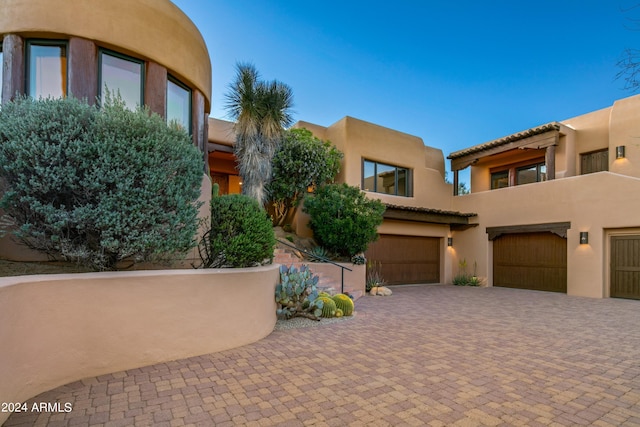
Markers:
<point>156,30</point>
<point>55,329</point>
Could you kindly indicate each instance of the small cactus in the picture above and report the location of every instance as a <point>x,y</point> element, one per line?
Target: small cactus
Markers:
<point>344,303</point>
<point>328,306</point>
<point>339,312</point>
<point>215,190</point>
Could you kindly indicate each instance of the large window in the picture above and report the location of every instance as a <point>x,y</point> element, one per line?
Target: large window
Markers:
<point>122,75</point>
<point>46,69</point>
<point>518,174</point>
<point>178,104</point>
<point>387,179</point>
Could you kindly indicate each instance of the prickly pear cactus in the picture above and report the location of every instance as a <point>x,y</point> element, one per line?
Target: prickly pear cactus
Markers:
<point>328,307</point>
<point>296,287</point>
<point>344,303</point>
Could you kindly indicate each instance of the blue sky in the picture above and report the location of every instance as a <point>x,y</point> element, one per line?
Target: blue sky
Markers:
<point>455,73</point>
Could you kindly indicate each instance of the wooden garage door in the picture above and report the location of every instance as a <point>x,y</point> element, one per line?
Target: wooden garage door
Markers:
<point>407,259</point>
<point>625,267</point>
<point>536,261</point>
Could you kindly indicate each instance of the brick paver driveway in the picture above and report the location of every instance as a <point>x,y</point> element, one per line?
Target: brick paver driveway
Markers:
<point>428,355</point>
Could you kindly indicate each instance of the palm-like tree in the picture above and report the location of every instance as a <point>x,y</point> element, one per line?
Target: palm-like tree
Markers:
<point>261,111</point>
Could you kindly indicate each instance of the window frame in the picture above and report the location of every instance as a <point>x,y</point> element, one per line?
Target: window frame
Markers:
<point>408,187</point>
<point>178,83</point>
<point>513,169</point>
<point>141,62</point>
<point>27,61</point>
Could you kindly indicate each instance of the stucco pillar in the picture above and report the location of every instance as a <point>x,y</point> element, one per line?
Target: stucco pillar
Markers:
<point>155,88</point>
<point>83,69</point>
<point>13,67</point>
<point>550,162</point>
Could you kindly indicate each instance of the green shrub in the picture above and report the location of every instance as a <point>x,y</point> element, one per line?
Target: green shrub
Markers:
<point>241,234</point>
<point>343,220</point>
<point>98,186</point>
<point>301,161</point>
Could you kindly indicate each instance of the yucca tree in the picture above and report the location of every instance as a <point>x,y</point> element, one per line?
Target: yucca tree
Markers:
<point>261,111</point>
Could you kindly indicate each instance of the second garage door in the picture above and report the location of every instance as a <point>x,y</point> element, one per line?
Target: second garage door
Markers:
<point>407,259</point>
<point>536,261</point>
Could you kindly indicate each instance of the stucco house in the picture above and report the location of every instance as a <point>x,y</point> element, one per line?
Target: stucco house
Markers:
<point>53,48</point>
<point>551,208</point>
<point>557,206</point>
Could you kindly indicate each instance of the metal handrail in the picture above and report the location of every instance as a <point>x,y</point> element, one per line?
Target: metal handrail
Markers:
<point>327,260</point>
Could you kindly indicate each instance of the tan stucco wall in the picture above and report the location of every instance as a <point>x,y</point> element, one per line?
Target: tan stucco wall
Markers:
<point>221,132</point>
<point>594,203</point>
<point>155,30</point>
<point>56,329</point>
<point>358,139</point>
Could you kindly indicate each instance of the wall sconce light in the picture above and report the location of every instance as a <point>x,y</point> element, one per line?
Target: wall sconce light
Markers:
<point>450,241</point>
<point>620,152</point>
<point>584,237</point>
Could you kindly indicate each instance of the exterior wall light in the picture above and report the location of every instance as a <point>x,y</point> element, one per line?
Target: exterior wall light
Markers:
<point>584,237</point>
<point>450,241</point>
<point>620,152</point>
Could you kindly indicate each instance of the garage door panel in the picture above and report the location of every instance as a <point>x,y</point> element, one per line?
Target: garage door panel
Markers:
<point>536,261</point>
<point>407,259</point>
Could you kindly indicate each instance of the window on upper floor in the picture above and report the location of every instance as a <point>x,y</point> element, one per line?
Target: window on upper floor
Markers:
<point>178,103</point>
<point>46,68</point>
<point>124,75</point>
<point>384,178</point>
<point>518,174</point>
<point>595,161</point>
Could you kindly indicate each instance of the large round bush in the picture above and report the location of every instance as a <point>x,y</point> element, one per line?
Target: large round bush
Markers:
<point>343,220</point>
<point>241,233</point>
<point>98,186</point>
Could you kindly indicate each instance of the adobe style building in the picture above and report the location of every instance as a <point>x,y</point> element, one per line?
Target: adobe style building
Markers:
<point>148,51</point>
<point>551,208</point>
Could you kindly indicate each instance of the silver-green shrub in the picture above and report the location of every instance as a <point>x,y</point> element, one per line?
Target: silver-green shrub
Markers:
<point>98,186</point>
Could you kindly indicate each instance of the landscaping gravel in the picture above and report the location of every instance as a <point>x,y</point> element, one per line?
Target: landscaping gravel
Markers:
<point>303,322</point>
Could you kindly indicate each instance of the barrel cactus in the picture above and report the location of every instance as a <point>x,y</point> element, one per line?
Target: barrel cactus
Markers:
<point>344,303</point>
<point>328,306</point>
<point>339,312</point>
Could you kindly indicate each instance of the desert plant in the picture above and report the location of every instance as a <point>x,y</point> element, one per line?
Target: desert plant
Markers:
<point>241,234</point>
<point>339,313</point>
<point>300,162</point>
<point>344,303</point>
<point>297,294</point>
<point>98,186</point>
<point>328,306</point>
<point>261,111</point>
<point>358,259</point>
<point>342,219</point>
<point>374,275</point>
<point>317,254</point>
<point>462,278</point>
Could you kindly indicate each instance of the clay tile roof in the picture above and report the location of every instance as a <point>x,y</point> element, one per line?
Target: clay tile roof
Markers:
<point>505,140</point>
